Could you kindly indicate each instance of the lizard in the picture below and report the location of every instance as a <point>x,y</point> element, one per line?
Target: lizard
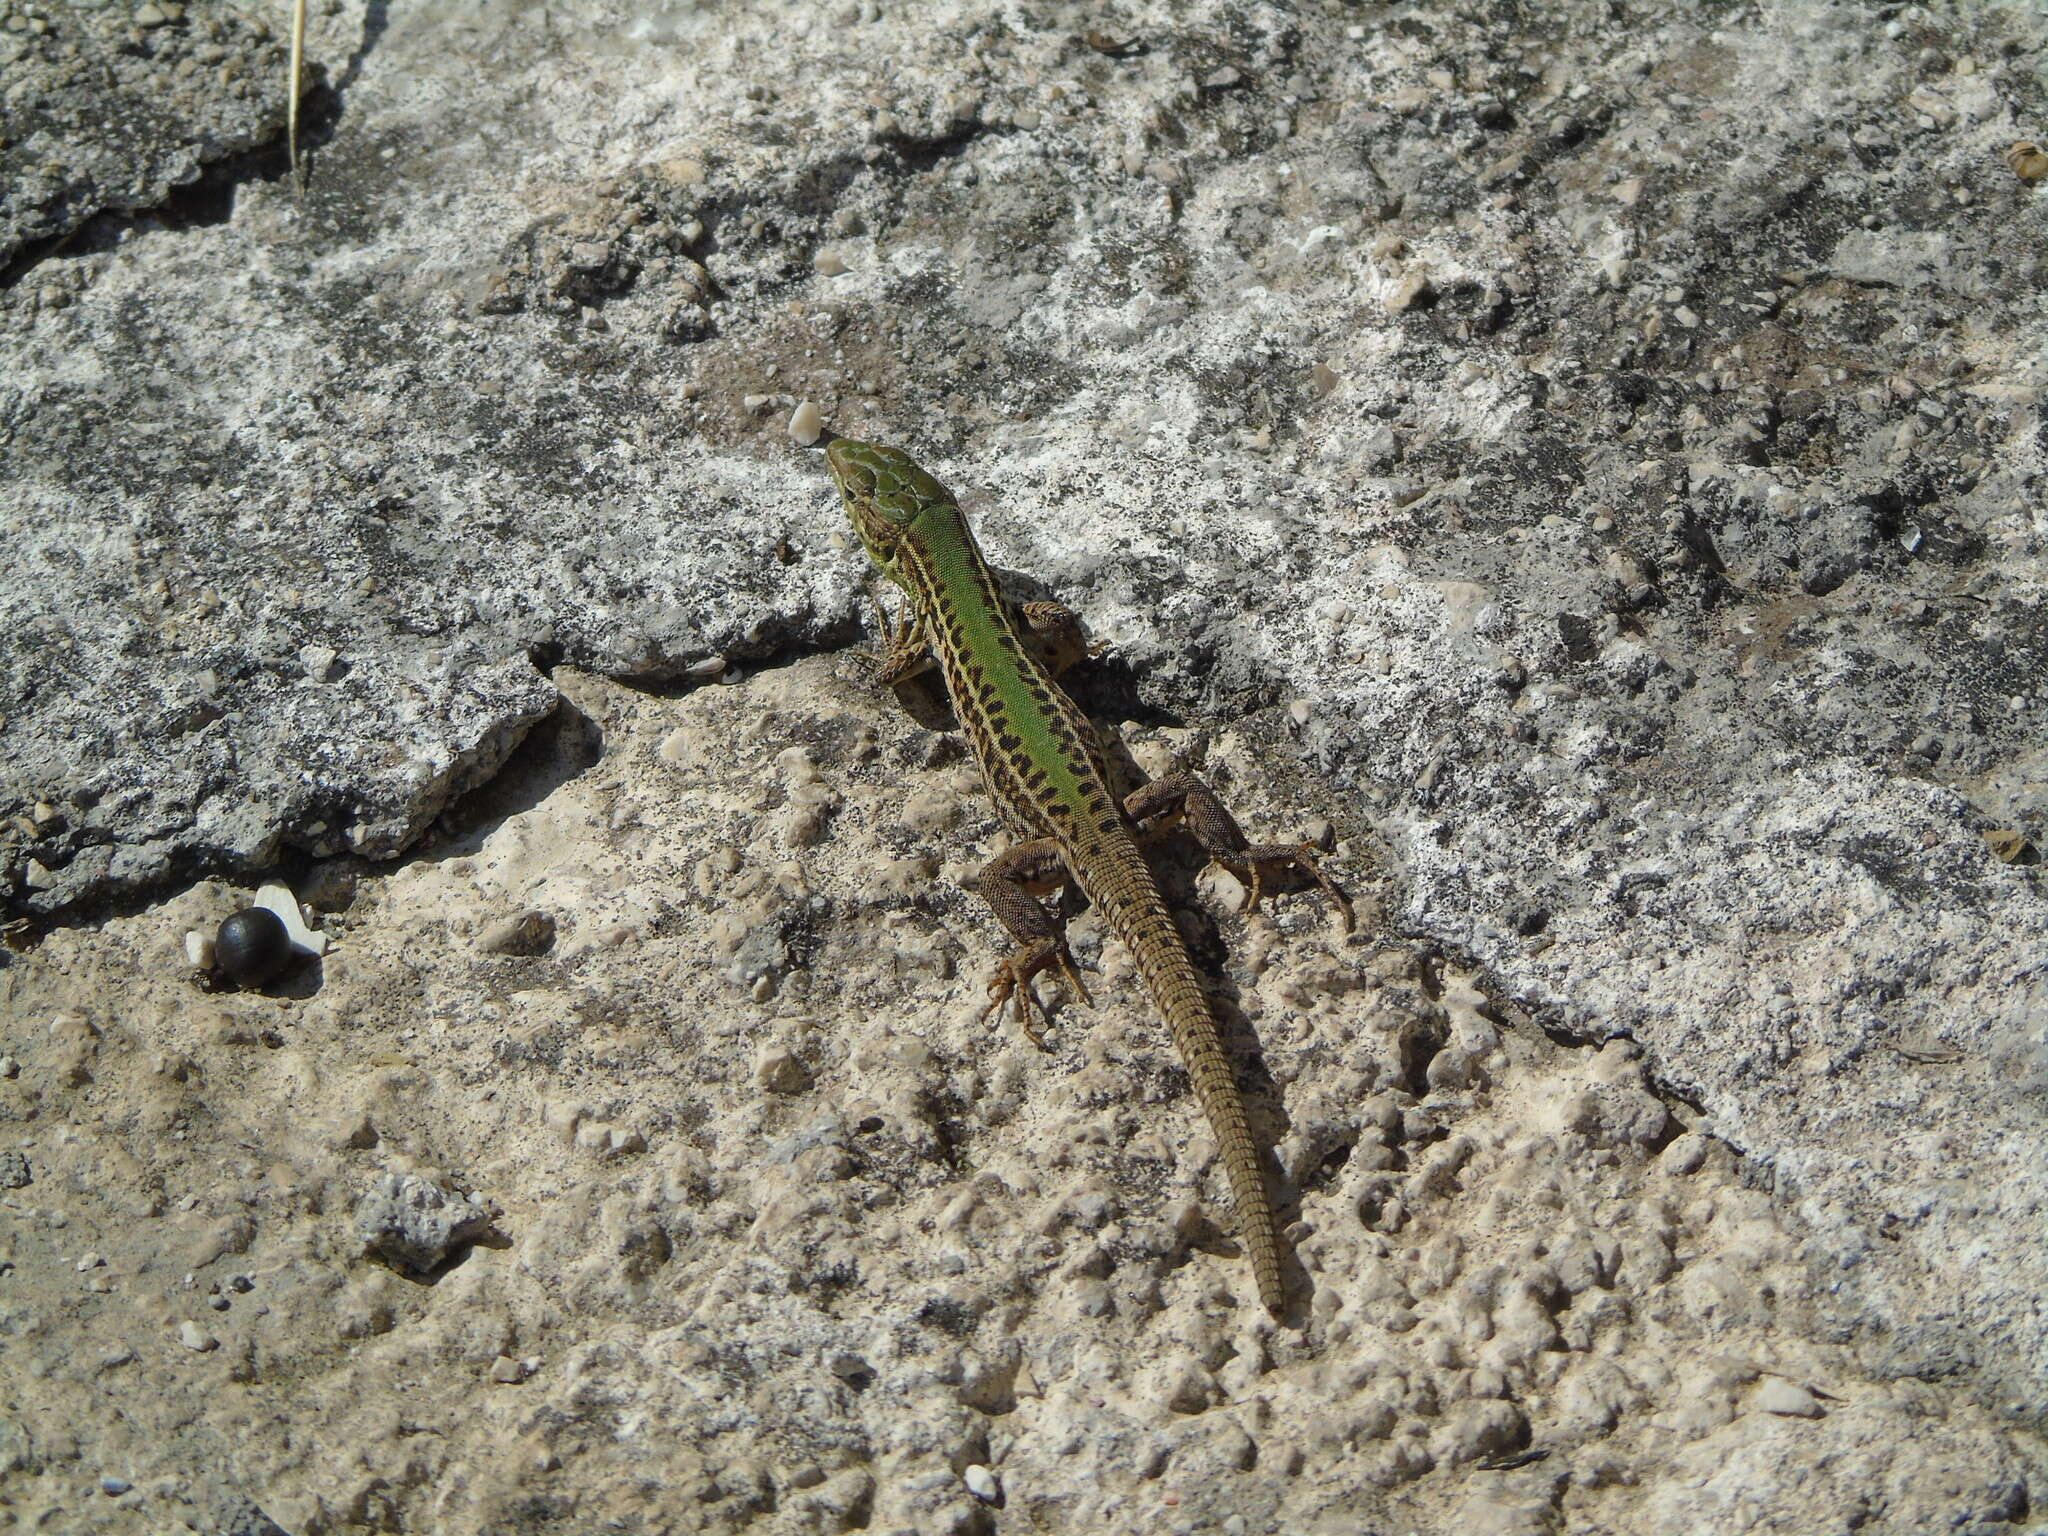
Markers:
<point>1047,773</point>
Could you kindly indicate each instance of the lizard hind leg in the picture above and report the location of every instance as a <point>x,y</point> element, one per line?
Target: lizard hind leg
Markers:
<point>1011,883</point>
<point>1224,841</point>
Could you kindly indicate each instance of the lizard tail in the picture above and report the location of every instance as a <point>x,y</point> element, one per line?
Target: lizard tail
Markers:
<point>1216,1087</point>
<point>1155,943</point>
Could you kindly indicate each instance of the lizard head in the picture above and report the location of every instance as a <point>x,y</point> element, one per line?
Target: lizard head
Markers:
<point>884,492</point>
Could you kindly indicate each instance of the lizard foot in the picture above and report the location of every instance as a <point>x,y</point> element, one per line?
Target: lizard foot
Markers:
<point>1012,984</point>
<point>1299,857</point>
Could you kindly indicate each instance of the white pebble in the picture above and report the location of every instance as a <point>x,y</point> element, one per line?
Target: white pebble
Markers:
<point>1225,889</point>
<point>199,949</point>
<point>828,263</point>
<point>279,899</point>
<point>805,423</point>
<point>981,1483</point>
<point>1779,1396</point>
<point>321,662</point>
<point>194,1337</point>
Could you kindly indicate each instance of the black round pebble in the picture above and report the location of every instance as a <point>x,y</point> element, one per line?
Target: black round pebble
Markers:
<point>252,946</point>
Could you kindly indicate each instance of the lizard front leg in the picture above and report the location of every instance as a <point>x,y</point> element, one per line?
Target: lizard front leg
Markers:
<point>1051,629</point>
<point>1011,884</point>
<point>904,653</point>
<point>1224,841</point>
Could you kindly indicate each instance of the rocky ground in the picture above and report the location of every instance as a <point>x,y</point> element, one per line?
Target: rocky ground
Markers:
<point>1586,465</point>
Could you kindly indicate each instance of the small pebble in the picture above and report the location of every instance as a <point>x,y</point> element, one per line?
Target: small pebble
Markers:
<point>114,1487</point>
<point>805,424</point>
<point>322,662</point>
<point>780,1071</point>
<point>1228,891</point>
<point>981,1483</point>
<point>415,1222</point>
<point>507,1371</point>
<point>524,933</point>
<point>828,263</point>
<point>194,1337</point>
<point>1779,1396</point>
<point>1410,291</point>
<point>279,899</point>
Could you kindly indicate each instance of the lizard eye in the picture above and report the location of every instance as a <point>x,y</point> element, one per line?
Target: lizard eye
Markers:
<point>851,470</point>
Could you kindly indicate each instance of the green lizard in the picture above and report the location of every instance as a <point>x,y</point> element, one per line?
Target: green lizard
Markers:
<point>1047,774</point>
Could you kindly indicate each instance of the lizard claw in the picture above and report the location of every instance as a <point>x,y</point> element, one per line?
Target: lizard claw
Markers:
<point>1074,978</point>
<point>1009,987</point>
<point>1305,859</point>
<point>1301,857</point>
<point>1012,984</point>
<point>902,652</point>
